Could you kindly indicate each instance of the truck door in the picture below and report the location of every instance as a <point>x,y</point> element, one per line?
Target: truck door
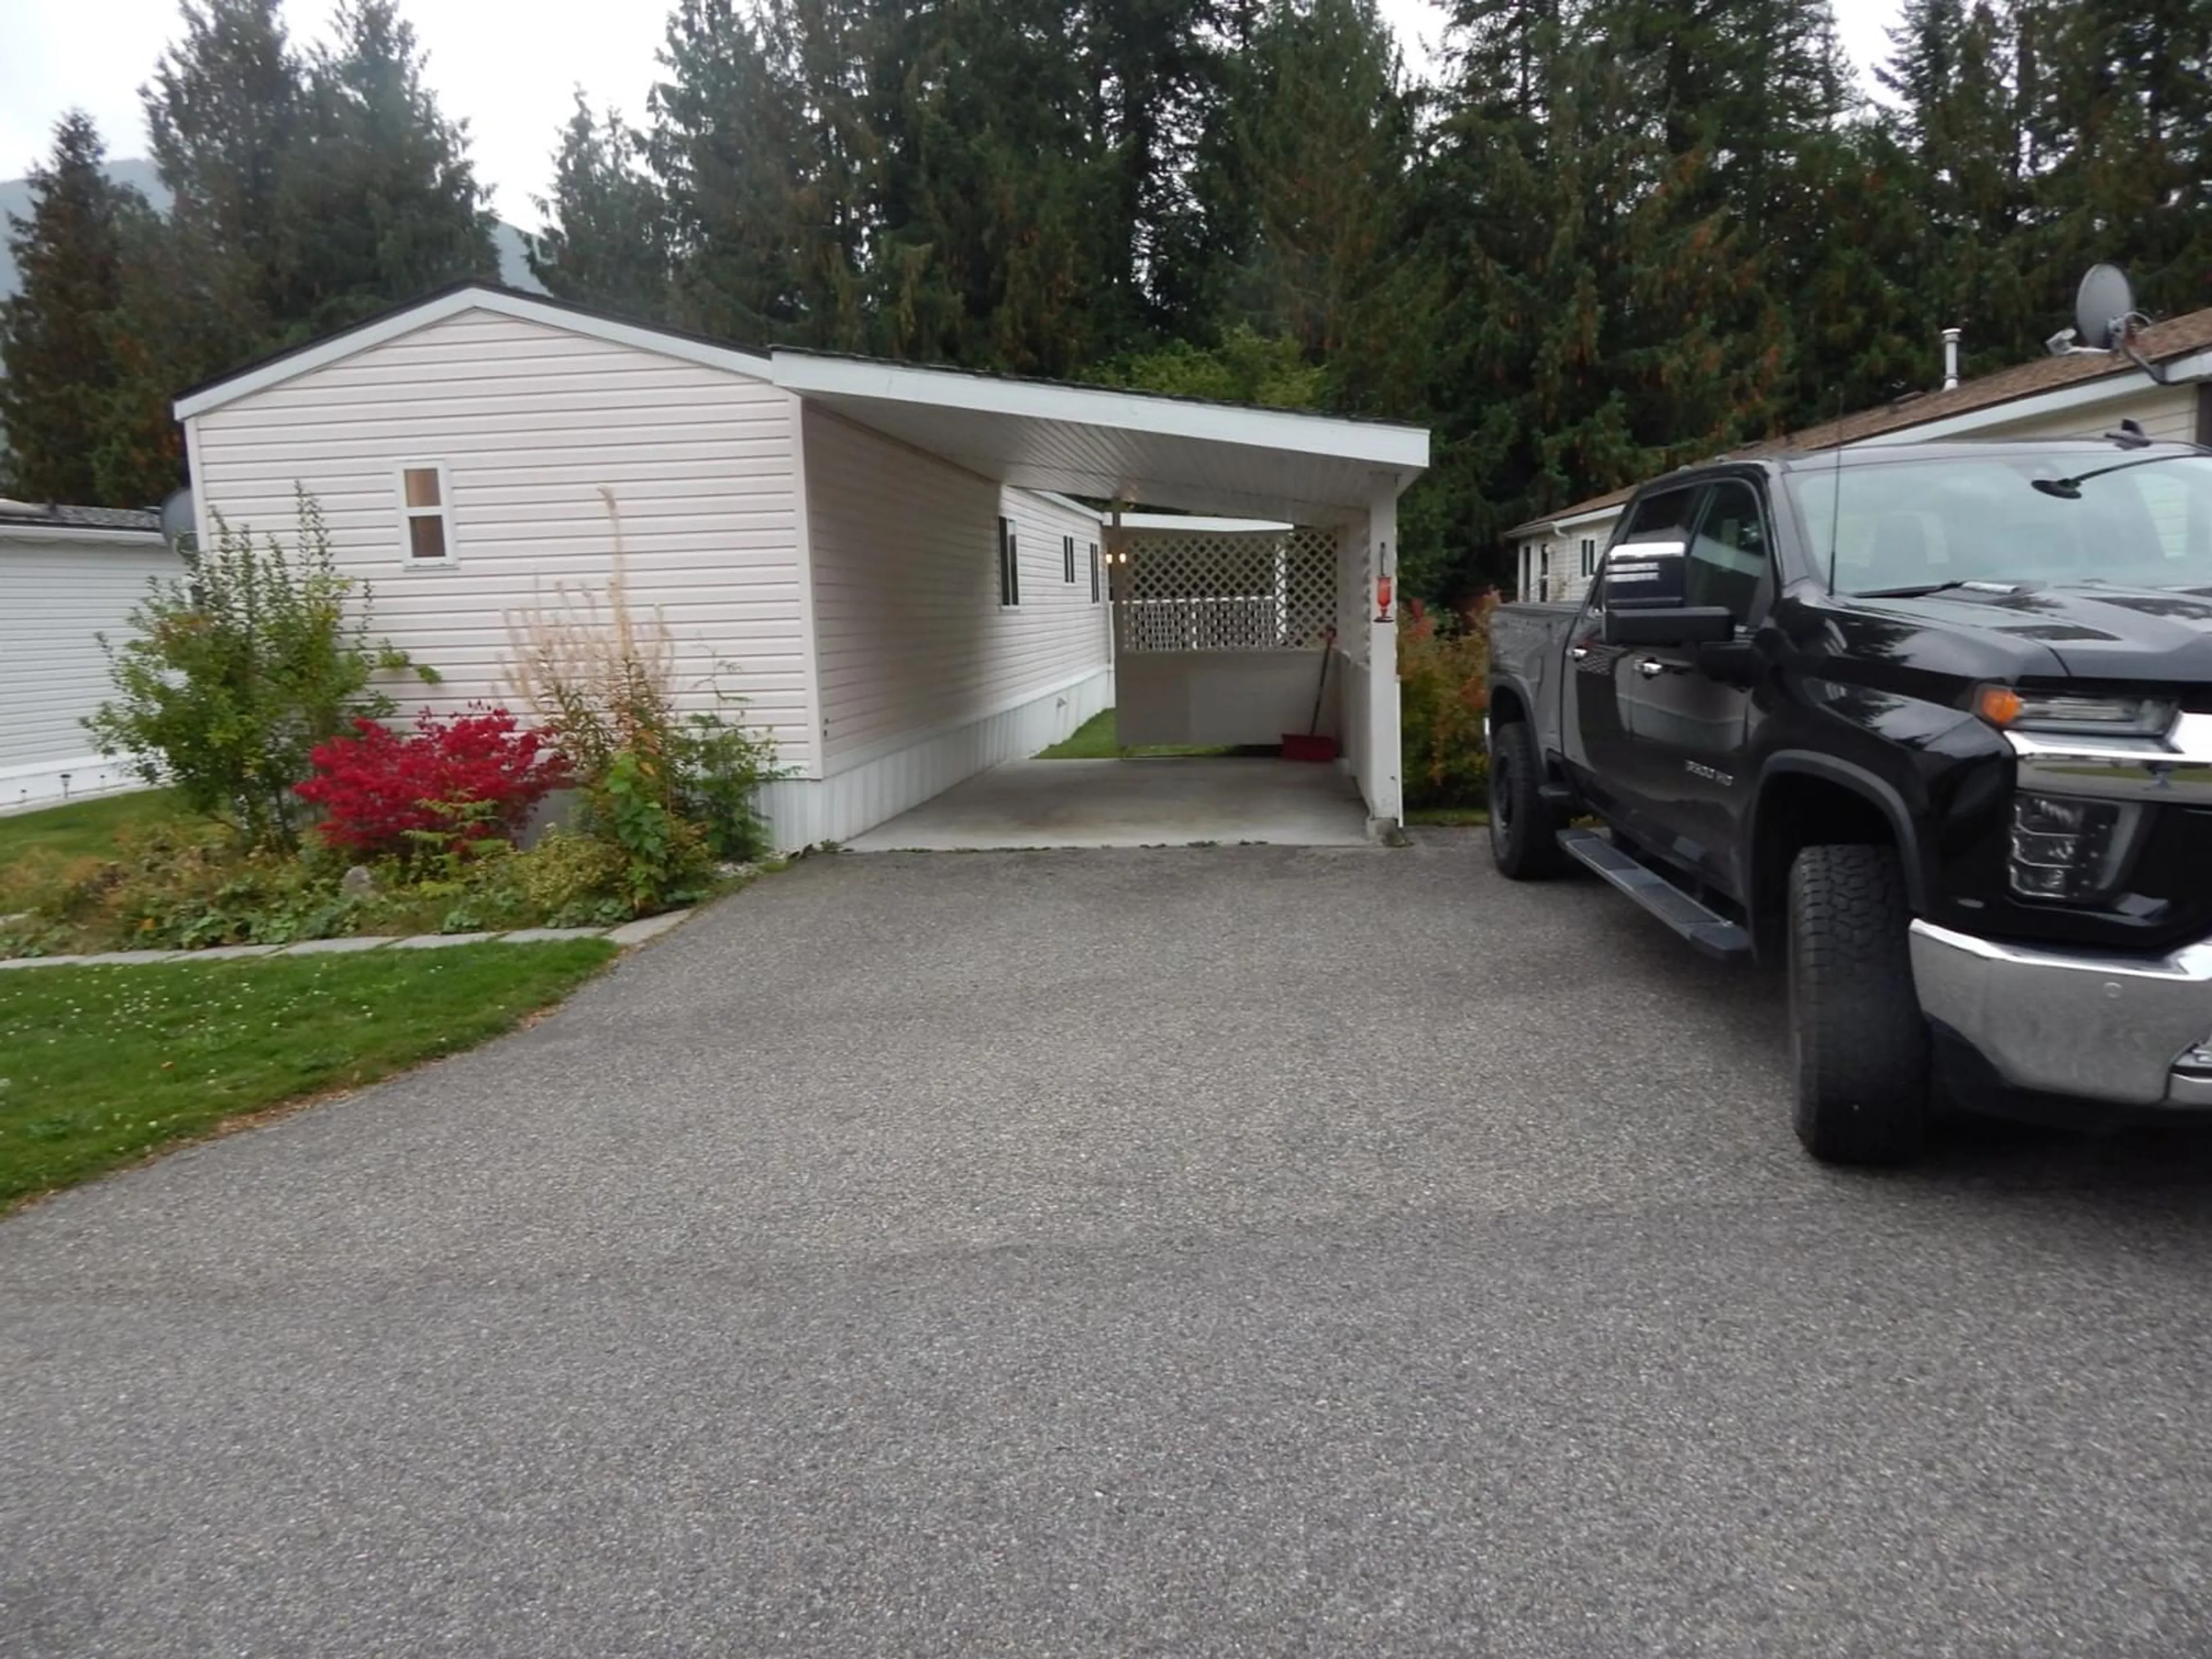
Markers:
<point>1686,733</point>
<point>1599,750</point>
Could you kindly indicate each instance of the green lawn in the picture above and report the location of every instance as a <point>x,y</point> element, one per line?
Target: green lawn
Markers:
<point>99,1065</point>
<point>83,828</point>
<point>1449,818</point>
<point>1094,740</point>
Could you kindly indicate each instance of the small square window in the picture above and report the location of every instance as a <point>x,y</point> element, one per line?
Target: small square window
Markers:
<point>1010,565</point>
<point>424,499</point>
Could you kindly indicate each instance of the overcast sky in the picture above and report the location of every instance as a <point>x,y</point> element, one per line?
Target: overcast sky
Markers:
<point>507,65</point>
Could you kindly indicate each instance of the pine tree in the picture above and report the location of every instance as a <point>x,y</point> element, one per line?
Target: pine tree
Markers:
<point>724,128</point>
<point>378,198</point>
<point>224,111</point>
<point>1301,170</point>
<point>1959,129</point>
<point>75,390</point>
<point>2120,115</point>
<point>606,237</point>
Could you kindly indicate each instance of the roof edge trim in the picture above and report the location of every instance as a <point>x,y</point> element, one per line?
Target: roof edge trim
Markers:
<point>393,325</point>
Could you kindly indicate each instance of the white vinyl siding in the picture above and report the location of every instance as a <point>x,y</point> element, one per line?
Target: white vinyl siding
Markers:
<point>2162,411</point>
<point>910,636</point>
<point>529,424</point>
<point>58,592</point>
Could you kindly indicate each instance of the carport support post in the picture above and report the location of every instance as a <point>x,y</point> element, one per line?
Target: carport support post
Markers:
<point>1384,788</point>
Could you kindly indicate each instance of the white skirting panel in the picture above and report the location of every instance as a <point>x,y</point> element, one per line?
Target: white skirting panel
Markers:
<point>872,788</point>
<point>48,783</point>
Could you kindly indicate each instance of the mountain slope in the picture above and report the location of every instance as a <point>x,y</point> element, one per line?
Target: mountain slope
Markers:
<point>16,199</point>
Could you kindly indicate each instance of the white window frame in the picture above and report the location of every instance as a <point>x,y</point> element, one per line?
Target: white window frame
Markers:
<point>1589,556</point>
<point>1067,560</point>
<point>1097,584</point>
<point>443,513</point>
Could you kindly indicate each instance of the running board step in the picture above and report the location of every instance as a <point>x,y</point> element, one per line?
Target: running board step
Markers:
<point>1716,935</point>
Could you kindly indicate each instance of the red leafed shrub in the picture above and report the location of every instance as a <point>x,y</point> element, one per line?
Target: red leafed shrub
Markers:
<point>472,776</point>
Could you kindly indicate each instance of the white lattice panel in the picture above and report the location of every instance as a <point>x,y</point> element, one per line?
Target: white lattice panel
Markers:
<point>1217,592</point>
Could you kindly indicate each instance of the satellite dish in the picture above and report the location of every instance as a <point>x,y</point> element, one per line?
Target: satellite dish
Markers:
<point>2101,306</point>
<point>178,520</point>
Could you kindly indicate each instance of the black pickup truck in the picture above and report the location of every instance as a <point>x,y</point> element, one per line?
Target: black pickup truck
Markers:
<point>1930,726</point>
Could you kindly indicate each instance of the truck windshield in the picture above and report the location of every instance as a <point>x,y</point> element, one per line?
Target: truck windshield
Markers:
<point>2094,516</point>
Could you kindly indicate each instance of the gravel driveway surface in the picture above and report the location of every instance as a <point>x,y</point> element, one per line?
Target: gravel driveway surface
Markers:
<point>1209,1251</point>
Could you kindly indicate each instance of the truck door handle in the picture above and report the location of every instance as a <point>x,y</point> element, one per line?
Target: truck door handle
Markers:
<point>1578,651</point>
<point>1651,668</point>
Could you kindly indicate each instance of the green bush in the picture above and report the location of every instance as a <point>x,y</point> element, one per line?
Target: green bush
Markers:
<point>1444,674</point>
<point>719,768</point>
<point>569,880</point>
<point>234,675</point>
<point>669,794</point>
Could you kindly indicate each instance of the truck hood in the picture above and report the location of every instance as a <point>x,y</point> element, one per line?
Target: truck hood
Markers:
<point>2161,633</point>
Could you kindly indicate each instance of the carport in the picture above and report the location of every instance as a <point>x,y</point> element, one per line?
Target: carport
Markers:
<point>1243,547</point>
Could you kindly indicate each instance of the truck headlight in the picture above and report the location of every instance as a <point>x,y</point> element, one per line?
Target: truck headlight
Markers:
<point>2010,709</point>
<point>2069,850</point>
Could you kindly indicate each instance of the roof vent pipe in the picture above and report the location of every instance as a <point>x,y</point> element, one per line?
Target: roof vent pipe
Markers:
<point>1950,358</point>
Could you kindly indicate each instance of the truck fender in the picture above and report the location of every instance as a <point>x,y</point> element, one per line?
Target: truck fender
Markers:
<point>1869,787</point>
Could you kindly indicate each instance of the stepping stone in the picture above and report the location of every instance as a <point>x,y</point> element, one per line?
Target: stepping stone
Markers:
<point>316,947</point>
<point>533,935</point>
<point>42,962</point>
<point>636,932</point>
<point>439,941</point>
<point>227,952</point>
<point>112,958</point>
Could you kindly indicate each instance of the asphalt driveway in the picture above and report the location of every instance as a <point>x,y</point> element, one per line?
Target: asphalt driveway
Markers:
<point>1209,1251</point>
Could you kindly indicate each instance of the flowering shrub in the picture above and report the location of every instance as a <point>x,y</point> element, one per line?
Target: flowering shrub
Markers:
<point>1444,675</point>
<point>396,794</point>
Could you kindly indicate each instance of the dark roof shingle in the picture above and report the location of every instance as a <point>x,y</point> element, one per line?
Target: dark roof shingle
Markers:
<point>51,516</point>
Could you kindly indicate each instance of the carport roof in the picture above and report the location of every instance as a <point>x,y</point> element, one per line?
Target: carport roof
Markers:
<point>1118,445</point>
<point>1103,442</point>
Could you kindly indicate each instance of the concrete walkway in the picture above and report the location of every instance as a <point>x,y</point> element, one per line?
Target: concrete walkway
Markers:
<point>1132,803</point>
<point>628,934</point>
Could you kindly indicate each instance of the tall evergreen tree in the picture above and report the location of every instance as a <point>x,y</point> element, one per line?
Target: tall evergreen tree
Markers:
<point>74,377</point>
<point>1958,127</point>
<point>224,111</point>
<point>606,236</point>
<point>724,145</point>
<point>1302,169</point>
<point>2120,110</point>
<point>378,198</point>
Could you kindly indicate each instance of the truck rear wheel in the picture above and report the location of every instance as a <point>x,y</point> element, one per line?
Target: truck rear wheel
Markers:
<point>1524,830</point>
<point>1858,1041</point>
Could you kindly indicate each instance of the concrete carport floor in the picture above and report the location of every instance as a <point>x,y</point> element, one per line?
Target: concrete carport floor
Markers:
<point>1164,802</point>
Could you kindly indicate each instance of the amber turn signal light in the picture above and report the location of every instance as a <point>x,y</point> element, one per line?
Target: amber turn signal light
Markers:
<point>1999,705</point>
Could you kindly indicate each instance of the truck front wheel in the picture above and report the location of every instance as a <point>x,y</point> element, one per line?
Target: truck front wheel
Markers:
<point>1858,1041</point>
<point>1524,830</point>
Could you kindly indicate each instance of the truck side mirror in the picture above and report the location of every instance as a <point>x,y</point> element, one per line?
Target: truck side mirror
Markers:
<point>1646,577</point>
<point>1680,625</point>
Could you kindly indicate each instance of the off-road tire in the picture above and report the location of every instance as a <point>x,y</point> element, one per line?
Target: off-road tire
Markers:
<point>1524,830</point>
<point>1858,1043</point>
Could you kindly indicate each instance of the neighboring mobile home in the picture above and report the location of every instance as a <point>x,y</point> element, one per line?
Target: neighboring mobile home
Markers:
<point>68,575</point>
<point>879,561</point>
<point>2060,397</point>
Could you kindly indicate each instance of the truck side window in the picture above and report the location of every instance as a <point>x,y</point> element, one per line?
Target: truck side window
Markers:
<point>1728,555</point>
<point>1665,517</point>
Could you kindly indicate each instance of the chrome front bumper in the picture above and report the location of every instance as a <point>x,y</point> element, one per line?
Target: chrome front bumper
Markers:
<point>2122,1029</point>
